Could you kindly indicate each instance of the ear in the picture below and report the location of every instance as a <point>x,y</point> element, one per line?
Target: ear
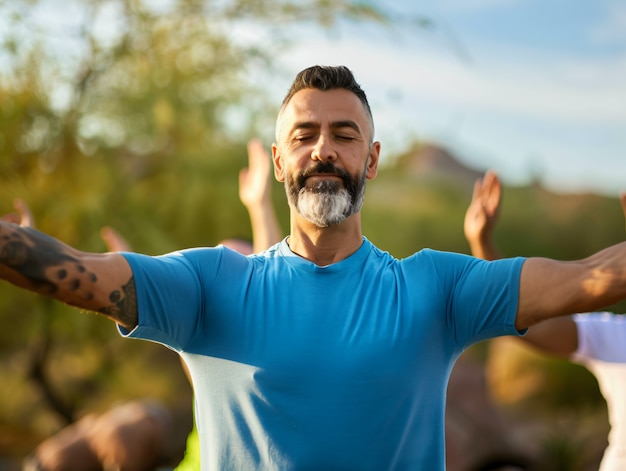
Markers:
<point>279,172</point>
<point>372,166</point>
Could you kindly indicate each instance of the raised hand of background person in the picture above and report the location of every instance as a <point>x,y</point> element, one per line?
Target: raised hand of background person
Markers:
<point>558,335</point>
<point>22,216</point>
<point>482,214</point>
<point>113,240</point>
<point>255,194</point>
<point>254,180</point>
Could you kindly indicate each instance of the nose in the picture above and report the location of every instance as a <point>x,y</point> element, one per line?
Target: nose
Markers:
<point>323,149</point>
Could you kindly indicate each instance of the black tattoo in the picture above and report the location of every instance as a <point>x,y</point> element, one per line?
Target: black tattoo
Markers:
<point>32,253</point>
<point>115,296</point>
<point>124,306</point>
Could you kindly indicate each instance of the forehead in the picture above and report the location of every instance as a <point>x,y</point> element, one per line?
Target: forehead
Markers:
<point>323,107</point>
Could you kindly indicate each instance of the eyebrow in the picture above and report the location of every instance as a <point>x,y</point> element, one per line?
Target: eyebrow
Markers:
<point>334,125</point>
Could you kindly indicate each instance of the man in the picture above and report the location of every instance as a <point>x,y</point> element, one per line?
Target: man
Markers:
<point>596,340</point>
<point>322,352</point>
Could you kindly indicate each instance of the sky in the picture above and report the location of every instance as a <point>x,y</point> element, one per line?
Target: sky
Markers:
<point>533,89</point>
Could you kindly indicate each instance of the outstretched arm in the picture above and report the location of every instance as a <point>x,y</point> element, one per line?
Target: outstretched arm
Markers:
<point>34,261</point>
<point>550,288</point>
<point>255,194</point>
<point>558,335</point>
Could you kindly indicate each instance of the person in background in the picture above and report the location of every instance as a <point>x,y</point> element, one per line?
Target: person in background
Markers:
<point>322,352</point>
<point>596,340</point>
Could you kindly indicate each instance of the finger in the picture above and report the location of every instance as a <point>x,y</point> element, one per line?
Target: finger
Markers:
<point>256,153</point>
<point>493,190</point>
<point>478,184</point>
<point>26,217</point>
<point>243,177</point>
<point>622,198</point>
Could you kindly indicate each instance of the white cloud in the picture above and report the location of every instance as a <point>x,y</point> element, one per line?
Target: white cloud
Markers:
<point>511,82</point>
<point>514,107</point>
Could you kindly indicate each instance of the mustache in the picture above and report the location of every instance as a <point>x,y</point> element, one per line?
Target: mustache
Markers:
<point>322,168</point>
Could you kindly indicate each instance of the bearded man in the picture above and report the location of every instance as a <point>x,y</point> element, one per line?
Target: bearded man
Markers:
<point>322,352</point>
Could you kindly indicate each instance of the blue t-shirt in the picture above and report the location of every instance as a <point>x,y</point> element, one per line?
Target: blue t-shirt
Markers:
<point>296,366</point>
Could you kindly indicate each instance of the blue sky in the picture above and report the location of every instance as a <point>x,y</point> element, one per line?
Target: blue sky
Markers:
<point>526,87</point>
<point>530,88</point>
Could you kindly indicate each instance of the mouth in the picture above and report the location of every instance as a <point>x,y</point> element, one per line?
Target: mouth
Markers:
<point>323,176</point>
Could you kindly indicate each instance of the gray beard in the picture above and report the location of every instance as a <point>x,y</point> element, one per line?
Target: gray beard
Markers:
<point>327,203</point>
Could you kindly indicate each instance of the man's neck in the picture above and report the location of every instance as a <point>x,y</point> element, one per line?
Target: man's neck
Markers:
<point>325,245</point>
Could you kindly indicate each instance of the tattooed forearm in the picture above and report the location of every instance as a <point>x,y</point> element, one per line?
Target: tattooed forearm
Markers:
<point>123,307</point>
<point>32,254</point>
<point>46,264</point>
<point>94,282</point>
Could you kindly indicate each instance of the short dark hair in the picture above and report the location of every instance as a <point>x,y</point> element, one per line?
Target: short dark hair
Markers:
<point>326,77</point>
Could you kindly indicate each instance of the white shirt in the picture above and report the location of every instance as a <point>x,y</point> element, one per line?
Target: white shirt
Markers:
<point>602,349</point>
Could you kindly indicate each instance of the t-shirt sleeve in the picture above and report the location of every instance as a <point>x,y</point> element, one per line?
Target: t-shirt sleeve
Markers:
<point>601,336</point>
<point>169,291</point>
<point>481,296</point>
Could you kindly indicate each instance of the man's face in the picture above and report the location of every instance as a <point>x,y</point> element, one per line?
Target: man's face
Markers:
<point>324,154</point>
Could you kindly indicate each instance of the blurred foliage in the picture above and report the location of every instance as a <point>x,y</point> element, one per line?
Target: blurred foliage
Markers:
<point>142,125</point>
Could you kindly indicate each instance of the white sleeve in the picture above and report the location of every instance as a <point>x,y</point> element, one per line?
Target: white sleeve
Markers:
<point>601,336</point>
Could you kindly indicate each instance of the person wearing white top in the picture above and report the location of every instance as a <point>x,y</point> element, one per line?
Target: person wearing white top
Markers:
<point>596,340</point>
